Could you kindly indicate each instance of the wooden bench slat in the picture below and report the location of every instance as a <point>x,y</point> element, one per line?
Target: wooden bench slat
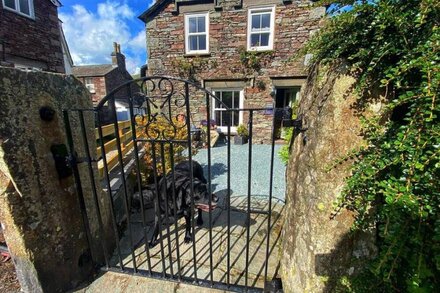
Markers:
<point>113,160</point>
<point>111,146</point>
<point>110,129</point>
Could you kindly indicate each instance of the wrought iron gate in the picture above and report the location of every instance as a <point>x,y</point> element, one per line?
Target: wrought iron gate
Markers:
<point>135,158</point>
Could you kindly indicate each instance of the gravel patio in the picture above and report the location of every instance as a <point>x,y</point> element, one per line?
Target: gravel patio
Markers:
<point>239,170</point>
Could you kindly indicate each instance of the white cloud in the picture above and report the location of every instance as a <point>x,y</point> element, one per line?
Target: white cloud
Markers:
<point>138,42</point>
<point>90,35</point>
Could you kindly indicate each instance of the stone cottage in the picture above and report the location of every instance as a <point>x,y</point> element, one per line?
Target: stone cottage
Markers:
<point>101,79</point>
<point>31,36</point>
<point>240,50</point>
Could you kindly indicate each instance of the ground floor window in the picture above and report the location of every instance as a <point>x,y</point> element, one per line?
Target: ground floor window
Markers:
<point>231,98</point>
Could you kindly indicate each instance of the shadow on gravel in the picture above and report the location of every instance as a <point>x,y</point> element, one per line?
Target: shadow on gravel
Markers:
<point>217,169</point>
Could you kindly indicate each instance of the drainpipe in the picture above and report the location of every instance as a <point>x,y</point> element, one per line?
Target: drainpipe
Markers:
<point>3,51</point>
<point>144,69</point>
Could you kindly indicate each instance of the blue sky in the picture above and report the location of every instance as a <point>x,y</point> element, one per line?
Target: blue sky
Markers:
<point>91,27</point>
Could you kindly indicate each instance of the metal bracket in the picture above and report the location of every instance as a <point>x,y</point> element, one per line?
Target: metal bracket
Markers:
<point>289,122</point>
<point>63,164</point>
<point>297,124</point>
<point>74,159</point>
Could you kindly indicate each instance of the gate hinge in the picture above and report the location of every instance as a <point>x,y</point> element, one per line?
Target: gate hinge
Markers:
<point>62,162</point>
<point>73,159</point>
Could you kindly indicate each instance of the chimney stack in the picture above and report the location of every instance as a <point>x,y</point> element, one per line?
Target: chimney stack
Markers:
<point>118,59</point>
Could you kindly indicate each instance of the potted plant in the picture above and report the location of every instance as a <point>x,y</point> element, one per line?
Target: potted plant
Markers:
<point>242,135</point>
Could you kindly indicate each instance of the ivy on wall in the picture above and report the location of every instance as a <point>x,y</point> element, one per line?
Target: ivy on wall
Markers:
<point>395,183</point>
<point>253,61</point>
<point>188,67</point>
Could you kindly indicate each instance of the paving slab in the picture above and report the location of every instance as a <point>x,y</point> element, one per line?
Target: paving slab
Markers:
<point>173,255</point>
<point>119,283</point>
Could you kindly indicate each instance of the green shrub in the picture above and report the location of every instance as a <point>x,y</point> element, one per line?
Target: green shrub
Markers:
<point>161,129</point>
<point>395,183</point>
<point>242,130</point>
<point>284,152</point>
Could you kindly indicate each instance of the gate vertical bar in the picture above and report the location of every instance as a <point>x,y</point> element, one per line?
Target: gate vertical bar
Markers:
<point>272,157</point>
<point>164,178</point>
<point>124,183</point>
<point>208,116</point>
<point>176,226</point>
<point>228,200</point>
<point>94,192</point>
<point>109,190</point>
<point>139,178</point>
<point>188,127</point>
<point>248,220</point>
<point>79,189</point>
<point>157,209</point>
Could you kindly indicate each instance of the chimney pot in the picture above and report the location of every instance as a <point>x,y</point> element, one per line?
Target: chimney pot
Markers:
<point>118,59</point>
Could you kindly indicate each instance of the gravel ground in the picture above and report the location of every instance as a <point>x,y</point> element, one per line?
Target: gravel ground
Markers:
<point>239,170</point>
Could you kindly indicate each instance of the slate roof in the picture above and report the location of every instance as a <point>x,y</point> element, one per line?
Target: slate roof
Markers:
<point>92,70</point>
<point>160,4</point>
<point>145,16</point>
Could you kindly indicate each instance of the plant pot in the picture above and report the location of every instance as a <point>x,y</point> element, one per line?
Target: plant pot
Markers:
<point>240,139</point>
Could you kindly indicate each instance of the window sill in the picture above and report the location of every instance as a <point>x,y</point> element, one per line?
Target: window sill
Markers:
<point>189,55</point>
<point>32,17</point>
<point>253,50</point>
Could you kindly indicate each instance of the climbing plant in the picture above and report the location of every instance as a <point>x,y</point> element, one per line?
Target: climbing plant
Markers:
<point>284,152</point>
<point>393,46</point>
<point>253,61</point>
<point>187,67</point>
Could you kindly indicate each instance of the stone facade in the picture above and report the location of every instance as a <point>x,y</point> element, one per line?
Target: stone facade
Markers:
<point>319,249</point>
<point>116,78</point>
<point>40,211</point>
<point>33,43</point>
<point>294,22</point>
<point>100,87</point>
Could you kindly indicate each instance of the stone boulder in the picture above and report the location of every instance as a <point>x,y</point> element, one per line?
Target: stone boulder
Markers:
<point>319,249</point>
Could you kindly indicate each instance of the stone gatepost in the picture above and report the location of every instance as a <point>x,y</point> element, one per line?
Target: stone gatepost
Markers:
<point>40,212</point>
<point>318,249</point>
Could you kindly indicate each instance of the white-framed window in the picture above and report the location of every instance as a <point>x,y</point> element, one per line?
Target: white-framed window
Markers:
<point>88,81</point>
<point>197,33</point>
<point>261,25</point>
<point>23,7</point>
<point>232,98</point>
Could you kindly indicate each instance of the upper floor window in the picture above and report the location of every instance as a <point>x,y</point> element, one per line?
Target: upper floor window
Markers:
<point>89,84</point>
<point>197,33</point>
<point>261,22</point>
<point>24,7</point>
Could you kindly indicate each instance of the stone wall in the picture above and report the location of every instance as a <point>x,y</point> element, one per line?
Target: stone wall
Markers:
<point>34,42</point>
<point>294,23</point>
<point>317,249</point>
<point>40,211</point>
